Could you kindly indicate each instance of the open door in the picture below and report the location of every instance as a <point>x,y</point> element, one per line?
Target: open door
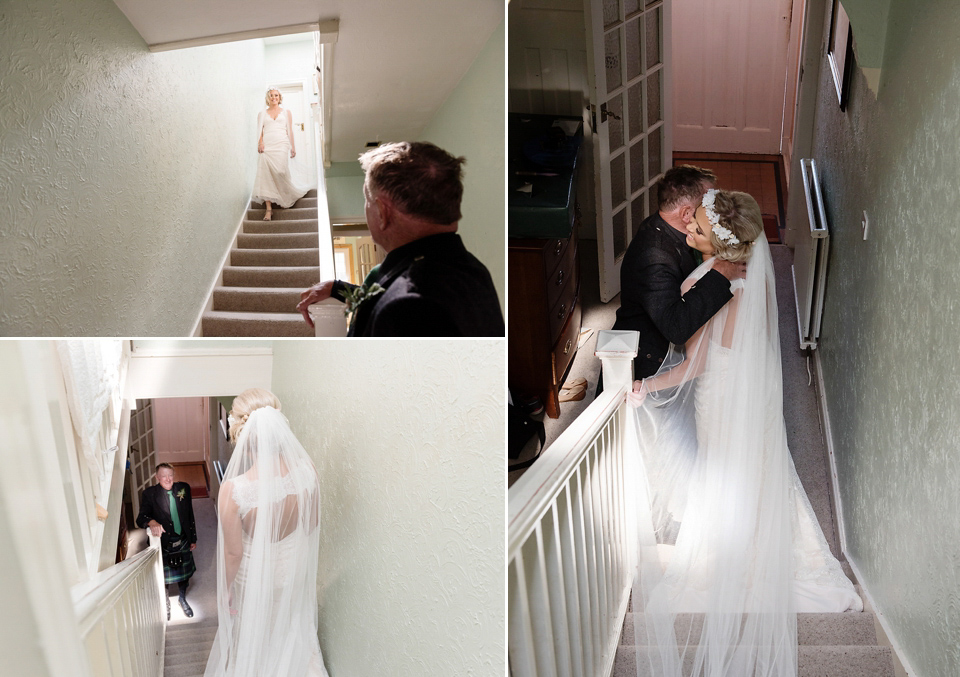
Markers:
<point>628,59</point>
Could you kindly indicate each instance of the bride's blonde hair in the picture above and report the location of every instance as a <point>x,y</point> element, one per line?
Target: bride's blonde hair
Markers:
<point>739,213</point>
<point>266,97</point>
<point>245,404</point>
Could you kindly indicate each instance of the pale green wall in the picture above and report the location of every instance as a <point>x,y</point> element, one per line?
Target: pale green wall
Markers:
<point>890,327</point>
<point>345,191</point>
<point>123,174</point>
<point>407,437</point>
<point>869,19</point>
<point>471,123</point>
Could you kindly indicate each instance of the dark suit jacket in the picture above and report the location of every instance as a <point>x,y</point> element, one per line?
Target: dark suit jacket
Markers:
<point>657,261</point>
<point>154,505</point>
<point>434,287</point>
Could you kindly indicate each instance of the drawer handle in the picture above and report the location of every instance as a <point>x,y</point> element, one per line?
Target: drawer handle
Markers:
<point>559,278</point>
<point>556,252</point>
<point>562,313</point>
<point>566,348</point>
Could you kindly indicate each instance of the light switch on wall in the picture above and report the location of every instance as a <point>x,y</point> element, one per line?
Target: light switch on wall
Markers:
<point>865,224</point>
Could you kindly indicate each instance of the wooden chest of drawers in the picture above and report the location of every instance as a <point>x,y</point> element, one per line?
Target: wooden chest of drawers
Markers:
<point>544,316</point>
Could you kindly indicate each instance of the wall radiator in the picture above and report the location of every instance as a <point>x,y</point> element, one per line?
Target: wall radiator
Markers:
<point>810,259</point>
<point>571,549</point>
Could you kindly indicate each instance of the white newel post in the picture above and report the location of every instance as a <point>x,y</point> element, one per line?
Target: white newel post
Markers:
<point>328,318</point>
<point>616,350</point>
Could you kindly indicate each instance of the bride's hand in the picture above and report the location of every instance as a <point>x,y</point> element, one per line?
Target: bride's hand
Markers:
<point>260,147</point>
<point>636,396</point>
<point>293,154</point>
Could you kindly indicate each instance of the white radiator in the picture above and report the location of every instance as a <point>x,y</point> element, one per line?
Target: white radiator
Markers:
<point>810,259</point>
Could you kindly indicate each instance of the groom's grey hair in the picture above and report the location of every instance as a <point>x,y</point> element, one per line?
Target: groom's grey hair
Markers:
<point>683,184</point>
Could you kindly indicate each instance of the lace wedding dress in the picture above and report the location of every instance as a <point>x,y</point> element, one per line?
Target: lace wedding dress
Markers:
<point>726,531</point>
<point>278,178</point>
<point>267,550</point>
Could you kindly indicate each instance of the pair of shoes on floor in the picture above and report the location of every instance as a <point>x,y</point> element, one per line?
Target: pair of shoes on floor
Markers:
<point>574,391</point>
<point>187,611</point>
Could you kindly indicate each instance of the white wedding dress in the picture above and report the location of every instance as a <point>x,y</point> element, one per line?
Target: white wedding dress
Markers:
<point>726,531</point>
<point>268,547</point>
<point>278,179</point>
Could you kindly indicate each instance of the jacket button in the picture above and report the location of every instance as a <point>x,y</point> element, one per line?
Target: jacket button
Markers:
<point>649,356</point>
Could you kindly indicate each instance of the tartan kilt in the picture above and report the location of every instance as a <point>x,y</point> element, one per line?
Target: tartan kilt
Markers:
<point>177,561</point>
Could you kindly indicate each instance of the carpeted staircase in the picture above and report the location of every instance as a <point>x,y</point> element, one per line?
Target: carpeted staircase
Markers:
<point>272,263</point>
<point>188,647</point>
<point>830,645</point>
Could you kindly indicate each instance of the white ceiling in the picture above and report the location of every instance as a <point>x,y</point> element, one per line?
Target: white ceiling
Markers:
<point>394,63</point>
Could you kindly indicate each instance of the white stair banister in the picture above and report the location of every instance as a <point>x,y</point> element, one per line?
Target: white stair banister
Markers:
<point>120,614</point>
<point>571,549</point>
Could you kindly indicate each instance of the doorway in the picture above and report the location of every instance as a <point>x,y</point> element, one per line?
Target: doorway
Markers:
<point>735,75</point>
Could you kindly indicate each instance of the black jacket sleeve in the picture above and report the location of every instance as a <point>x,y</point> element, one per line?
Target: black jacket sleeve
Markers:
<point>678,317</point>
<point>146,508</point>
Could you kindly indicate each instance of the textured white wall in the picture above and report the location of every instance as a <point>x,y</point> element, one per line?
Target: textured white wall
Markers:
<point>891,323</point>
<point>408,438</point>
<point>123,174</point>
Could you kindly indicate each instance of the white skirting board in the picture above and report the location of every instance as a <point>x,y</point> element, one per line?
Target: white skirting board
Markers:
<point>885,634</point>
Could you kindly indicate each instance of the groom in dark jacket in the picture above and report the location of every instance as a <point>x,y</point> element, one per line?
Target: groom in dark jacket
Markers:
<point>657,261</point>
<point>429,284</point>
<point>166,509</point>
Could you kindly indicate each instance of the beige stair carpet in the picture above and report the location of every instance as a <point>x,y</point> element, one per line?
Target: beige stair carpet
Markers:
<point>830,645</point>
<point>272,263</point>
<point>188,640</point>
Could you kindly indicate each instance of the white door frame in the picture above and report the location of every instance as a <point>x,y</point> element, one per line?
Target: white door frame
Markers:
<point>597,121</point>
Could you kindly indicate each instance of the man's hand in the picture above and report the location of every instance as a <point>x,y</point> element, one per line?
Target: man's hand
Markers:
<point>731,271</point>
<point>317,293</point>
<point>193,546</point>
<point>155,528</point>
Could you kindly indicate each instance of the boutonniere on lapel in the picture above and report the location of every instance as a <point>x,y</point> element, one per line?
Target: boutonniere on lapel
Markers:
<point>181,494</point>
<point>355,296</point>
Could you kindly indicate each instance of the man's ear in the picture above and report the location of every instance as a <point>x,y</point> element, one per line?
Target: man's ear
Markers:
<point>687,213</point>
<point>386,211</point>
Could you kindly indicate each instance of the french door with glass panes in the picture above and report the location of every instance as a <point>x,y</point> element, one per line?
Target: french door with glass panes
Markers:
<point>628,48</point>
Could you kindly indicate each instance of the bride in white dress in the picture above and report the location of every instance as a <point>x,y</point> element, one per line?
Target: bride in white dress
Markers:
<point>727,533</point>
<point>267,549</point>
<point>277,180</point>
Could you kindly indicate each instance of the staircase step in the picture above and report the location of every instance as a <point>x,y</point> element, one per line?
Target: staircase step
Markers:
<point>275,257</point>
<point>281,226</point>
<point>838,629</point>
<point>845,661</point>
<point>188,670</point>
<point>302,202</point>
<point>271,276</point>
<point>257,299</point>
<point>277,240</point>
<point>277,214</point>
<point>183,645</point>
<point>812,661</point>
<point>171,660</point>
<point>232,323</point>
<point>850,628</point>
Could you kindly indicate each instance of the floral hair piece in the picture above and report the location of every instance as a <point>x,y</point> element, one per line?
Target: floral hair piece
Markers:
<point>723,234</point>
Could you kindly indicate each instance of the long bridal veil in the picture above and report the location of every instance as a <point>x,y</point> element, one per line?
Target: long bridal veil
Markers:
<point>714,592</point>
<point>267,551</point>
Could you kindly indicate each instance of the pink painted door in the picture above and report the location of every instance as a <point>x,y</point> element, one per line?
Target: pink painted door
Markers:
<point>729,74</point>
<point>181,429</point>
